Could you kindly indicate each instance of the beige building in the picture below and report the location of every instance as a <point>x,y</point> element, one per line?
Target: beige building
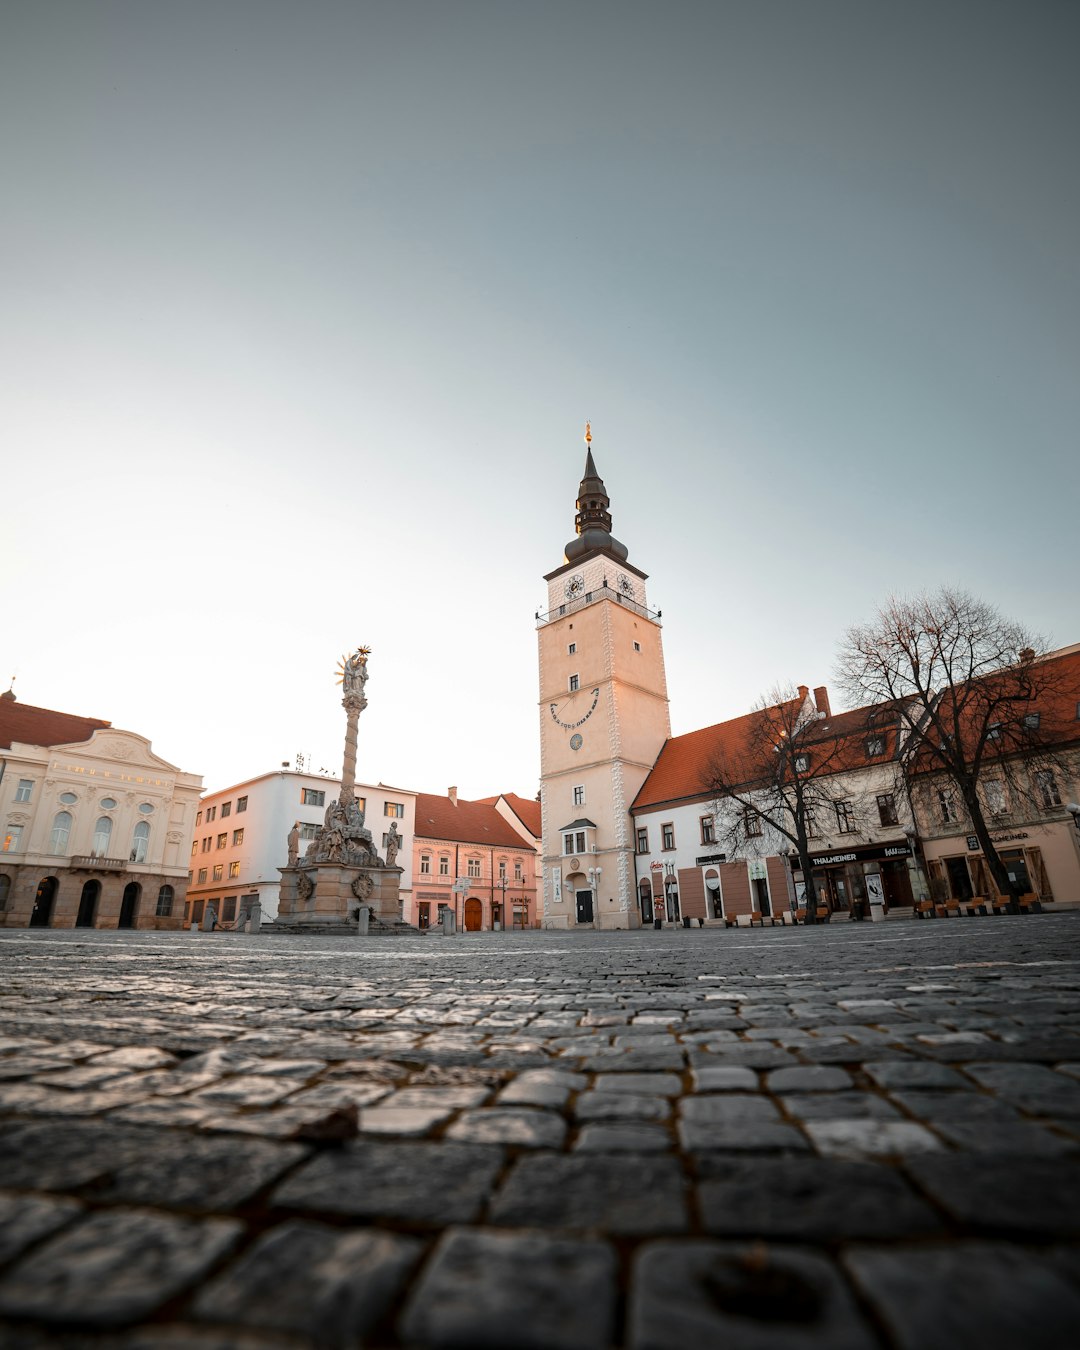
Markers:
<point>603,719</point>
<point>96,827</point>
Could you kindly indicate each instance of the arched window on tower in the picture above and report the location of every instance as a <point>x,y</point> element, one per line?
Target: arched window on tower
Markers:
<point>140,841</point>
<point>61,828</point>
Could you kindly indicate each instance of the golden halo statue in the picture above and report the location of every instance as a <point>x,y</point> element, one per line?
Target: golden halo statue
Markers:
<point>352,670</point>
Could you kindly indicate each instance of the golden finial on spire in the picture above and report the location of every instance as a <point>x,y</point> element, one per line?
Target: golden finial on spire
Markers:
<point>588,433</point>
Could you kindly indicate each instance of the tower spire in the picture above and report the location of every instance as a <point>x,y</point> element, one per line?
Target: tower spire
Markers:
<point>592,522</point>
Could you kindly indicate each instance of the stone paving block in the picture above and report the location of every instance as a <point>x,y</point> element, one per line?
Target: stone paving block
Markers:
<point>631,1061</point>
<point>916,1073</point>
<point>319,1282</point>
<point>730,1108</point>
<point>621,1106</point>
<point>525,1127</point>
<point>623,1137</point>
<point>114,1267</point>
<point>808,1199</point>
<point>434,1183</point>
<point>994,1296</point>
<point>724,1078</point>
<point>839,1106</point>
<point>27,1218</point>
<point>340,1093</point>
<point>1021,1138</point>
<point>973,1106</point>
<point>137,1057</point>
<point>752,1297</point>
<point>514,1291</point>
<point>742,1053</point>
<point>409,1122</point>
<point>870,1138</point>
<point>1002,1193</point>
<point>1032,1087</point>
<point>542,1087</point>
<point>649,1084</point>
<point>808,1078</point>
<point>610,1193</point>
<point>246,1090</point>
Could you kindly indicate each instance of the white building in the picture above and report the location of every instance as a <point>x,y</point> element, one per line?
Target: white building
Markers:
<point>241,837</point>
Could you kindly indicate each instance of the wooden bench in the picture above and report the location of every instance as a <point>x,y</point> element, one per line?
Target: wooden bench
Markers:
<point>800,914</point>
<point>756,917</point>
<point>925,909</point>
<point>823,914</point>
<point>1030,904</point>
<point>947,909</point>
<point>977,905</point>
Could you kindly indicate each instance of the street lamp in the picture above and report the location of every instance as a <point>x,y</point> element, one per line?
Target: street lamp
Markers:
<point>594,885</point>
<point>502,883</point>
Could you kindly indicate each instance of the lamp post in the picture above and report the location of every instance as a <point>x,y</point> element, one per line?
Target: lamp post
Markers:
<point>594,886</point>
<point>502,882</point>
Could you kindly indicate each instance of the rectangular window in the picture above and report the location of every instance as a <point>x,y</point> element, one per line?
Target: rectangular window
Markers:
<point>241,804</point>
<point>202,876</point>
<point>395,810</point>
<point>25,788</point>
<point>444,865</point>
<point>643,840</point>
<point>234,870</point>
<point>237,837</point>
<point>474,867</point>
<point>571,649</point>
<point>574,842</point>
<point>708,830</point>
<point>211,812</point>
<point>1047,788</point>
<point>845,817</point>
<point>875,745</point>
<point>219,871</point>
<point>425,864</point>
<point>312,797</point>
<point>222,840</point>
<point>308,830</point>
<point>226,809</point>
<point>502,870</point>
<point>198,819</point>
<point>13,839</point>
<point>947,806</point>
<point>667,837</point>
<point>517,869</point>
<point>207,841</point>
<point>886,809</point>
<point>994,791</point>
<point>1031,721</point>
<point>579,796</point>
<point>228,909</point>
<point>993,732</point>
<point>751,822</point>
<point>802,763</point>
<point>637,646</point>
<point>194,846</point>
<point>574,684</point>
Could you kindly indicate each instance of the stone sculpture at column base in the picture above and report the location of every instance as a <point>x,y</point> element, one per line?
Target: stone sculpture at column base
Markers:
<point>331,892</point>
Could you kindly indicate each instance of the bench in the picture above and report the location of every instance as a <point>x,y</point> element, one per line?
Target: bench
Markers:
<point>947,909</point>
<point>756,917</point>
<point>925,909</point>
<point>823,914</point>
<point>977,905</point>
<point>800,914</point>
<point>1030,904</point>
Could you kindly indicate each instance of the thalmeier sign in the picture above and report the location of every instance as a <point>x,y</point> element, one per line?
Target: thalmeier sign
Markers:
<point>870,853</point>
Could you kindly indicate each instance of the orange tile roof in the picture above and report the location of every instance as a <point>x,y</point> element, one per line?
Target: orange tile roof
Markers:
<point>465,823</point>
<point>42,726</point>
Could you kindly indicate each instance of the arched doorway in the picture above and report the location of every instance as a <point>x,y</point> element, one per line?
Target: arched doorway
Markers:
<point>474,915</point>
<point>129,905</point>
<point>88,904</point>
<point>41,914</point>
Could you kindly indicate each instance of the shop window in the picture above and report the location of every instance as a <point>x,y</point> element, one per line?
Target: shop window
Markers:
<point>1017,868</point>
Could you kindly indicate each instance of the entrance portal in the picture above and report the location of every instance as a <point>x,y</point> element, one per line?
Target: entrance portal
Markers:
<point>584,906</point>
<point>129,905</point>
<point>41,914</point>
<point>474,915</point>
<point>88,904</point>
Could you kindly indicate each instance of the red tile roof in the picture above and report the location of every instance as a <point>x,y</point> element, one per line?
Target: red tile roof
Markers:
<point>42,726</point>
<point>528,812</point>
<point>465,823</point>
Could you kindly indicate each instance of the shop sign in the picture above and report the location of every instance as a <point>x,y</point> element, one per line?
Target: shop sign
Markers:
<point>707,858</point>
<point>871,853</point>
<point>757,871</point>
<point>973,843</point>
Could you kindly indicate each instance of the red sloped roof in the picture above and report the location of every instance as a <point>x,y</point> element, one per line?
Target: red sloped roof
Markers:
<point>42,726</point>
<point>465,823</point>
<point>528,812</point>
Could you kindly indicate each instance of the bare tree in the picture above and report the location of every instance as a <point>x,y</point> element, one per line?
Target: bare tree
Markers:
<point>777,769</point>
<point>966,682</point>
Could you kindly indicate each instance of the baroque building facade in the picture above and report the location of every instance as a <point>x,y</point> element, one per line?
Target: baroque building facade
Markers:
<point>96,827</point>
<point>603,718</point>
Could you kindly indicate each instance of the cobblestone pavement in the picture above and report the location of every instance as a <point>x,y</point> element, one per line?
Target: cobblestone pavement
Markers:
<point>851,1136</point>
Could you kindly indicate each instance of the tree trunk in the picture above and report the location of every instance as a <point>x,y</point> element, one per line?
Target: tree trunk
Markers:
<point>998,870</point>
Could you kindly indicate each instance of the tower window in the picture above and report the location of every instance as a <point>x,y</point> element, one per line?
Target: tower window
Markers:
<point>579,796</point>
<point>571,649</point>
<point>574,684</point>
<point>637,646</point>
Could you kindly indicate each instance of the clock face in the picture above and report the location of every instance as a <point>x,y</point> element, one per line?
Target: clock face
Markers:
<point>576,741</point>
<point>626,585</point>
<point>575,586</point>
<point>576,710</point>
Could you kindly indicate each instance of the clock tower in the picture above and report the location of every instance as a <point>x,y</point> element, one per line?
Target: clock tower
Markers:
<point>603,718</point>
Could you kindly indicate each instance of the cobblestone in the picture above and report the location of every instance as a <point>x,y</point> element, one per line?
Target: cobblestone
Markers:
<point>216,1142</point>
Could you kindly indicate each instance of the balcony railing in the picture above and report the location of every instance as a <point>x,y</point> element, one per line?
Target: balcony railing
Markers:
<point>601,593</point>
<point>90,862</point>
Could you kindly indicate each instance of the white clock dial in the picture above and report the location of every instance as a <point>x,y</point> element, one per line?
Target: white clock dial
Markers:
<point>575,586</point>
<point>626,585</point>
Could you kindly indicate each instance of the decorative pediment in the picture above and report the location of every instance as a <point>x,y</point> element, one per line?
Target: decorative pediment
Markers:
<point>122,747</point>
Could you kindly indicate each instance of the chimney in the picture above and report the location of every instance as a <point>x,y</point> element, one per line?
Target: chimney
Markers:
<point>821,699</point>
<point>803,692</point>
<point>452,794</point>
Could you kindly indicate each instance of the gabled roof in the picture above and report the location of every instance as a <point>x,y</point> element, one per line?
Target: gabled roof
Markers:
<point>528,812</point>
<point>42,726</point>
<point>465,823</point>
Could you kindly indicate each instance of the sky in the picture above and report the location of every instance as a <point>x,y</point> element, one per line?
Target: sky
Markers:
<point>305,306</point>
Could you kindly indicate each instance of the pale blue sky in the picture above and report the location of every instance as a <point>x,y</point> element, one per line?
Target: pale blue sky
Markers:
<point>305,306</point>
